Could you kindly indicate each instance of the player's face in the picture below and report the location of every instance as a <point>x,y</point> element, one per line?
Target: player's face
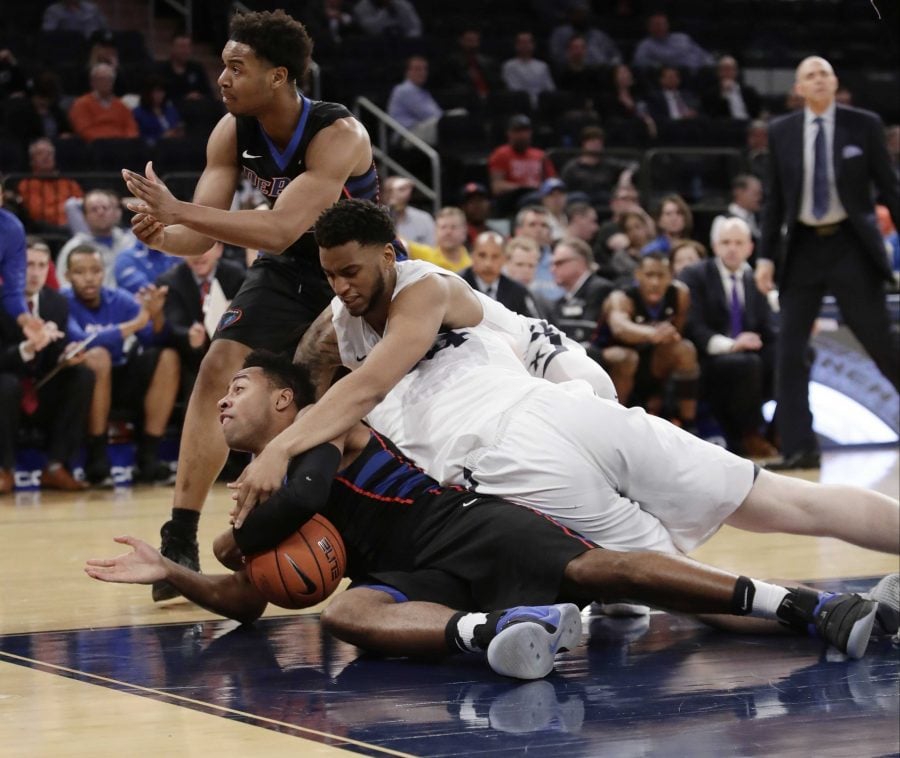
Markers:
<point>733,246</point>
<point>37,268</point>
<point>245,79</point>
<point>487,260</point>
<point>653,278</point>
<point>244,410</point>
<point>85,272</point>
<point>357,274</point>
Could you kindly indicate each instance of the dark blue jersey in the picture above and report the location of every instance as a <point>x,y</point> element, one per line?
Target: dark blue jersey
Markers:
<point>270,170</point>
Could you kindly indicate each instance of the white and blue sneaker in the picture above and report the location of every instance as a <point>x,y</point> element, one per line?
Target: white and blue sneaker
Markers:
<point>887,594</point>
<point>528,638</point>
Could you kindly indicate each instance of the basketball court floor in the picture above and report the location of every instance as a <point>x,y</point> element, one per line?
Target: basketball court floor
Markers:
<point>96,669</point>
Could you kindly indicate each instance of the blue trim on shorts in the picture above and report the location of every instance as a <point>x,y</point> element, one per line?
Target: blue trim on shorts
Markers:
<point>398,596</point>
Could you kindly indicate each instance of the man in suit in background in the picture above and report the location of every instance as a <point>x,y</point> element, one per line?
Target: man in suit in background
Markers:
<point>730,324</point>
<point>823,160</point>
<point>59,407</point>
<point>486,275</point>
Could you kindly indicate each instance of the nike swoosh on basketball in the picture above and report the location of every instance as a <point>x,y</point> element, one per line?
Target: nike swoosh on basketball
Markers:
<point>245,154</point>
<point>307,582</point>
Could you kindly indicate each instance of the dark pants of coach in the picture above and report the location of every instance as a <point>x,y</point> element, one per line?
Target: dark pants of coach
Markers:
<point>826,259</point>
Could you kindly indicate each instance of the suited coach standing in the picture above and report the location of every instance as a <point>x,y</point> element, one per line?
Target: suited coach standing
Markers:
<point>819,235</point>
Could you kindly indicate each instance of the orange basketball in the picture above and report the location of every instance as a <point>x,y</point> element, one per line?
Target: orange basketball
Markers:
<point>304,569</point>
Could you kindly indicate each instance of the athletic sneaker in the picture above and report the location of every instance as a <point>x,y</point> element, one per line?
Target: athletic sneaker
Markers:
<point>887,594</point>
<point>619,609</point>
<point>844,621</point>
<point>528,637</point>
<point>176,546</point>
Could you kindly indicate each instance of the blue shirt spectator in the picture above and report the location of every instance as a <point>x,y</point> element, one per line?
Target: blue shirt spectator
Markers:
<point>140,265</point>
<point>664,48</point>
<point>412,105</point>
<point>12,264</point>
<point>116,307</point>
<point>601,50</point>
<point>396,18</point>
<point>73,16</point>
<point>155,115</point>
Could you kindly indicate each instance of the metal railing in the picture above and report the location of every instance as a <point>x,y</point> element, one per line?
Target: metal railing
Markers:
<point>389,128</point>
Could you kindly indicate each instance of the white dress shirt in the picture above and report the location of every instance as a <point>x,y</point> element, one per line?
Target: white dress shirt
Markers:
<point>836,212</point>
<point>719,344</point>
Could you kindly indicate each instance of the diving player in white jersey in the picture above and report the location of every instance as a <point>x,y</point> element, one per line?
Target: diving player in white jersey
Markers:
<point>454,397</point>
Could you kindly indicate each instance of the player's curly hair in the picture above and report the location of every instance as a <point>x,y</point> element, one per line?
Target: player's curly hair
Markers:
<point>281,372</point>
<point>275,36</point>
<point>354,220</point>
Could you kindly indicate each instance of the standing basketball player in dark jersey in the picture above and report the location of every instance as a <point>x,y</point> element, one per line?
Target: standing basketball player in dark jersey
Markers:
<point>303,156</point>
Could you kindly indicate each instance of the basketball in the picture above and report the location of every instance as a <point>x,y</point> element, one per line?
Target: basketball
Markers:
<point>304,569</point>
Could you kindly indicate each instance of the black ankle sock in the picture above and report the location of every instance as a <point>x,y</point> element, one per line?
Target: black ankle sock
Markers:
<point>742,599</point>
<point>96,445</point>
<point>186,520</point>
<point>451,635</point>
<point>485,632</point>
<point>796,610</point>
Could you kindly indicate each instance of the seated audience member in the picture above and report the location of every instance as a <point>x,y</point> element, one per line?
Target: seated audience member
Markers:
<point>553,195</point>
<point>183,77</point>
<point>468,69</point>
<point>746,202</point>
<point>621,102</point>
<point>650,318</point>
<point>13,82</point>
<point>73,16</point>
<point>330,23</point>
<point>674,222</point>
<point>601,50</point>
<point>103,50</point>
<point>728,97</point>
<point>486,275</point>
<point>188,285</point>
<point>39,114</point>
<point>388,18</point>
<point>522,255</point>
<point>624,198</point>
<point>517,165</point>
<point>102,214</point>
<point>412,105</point>
<point>411,223</point>
<point>756,150</point>
<point>664,48</point>
<point>99,114</point>
<point>582,224</point>
<point>475,202</point>
<point>575,74</point>
<point>533,221</point>
<point>671,102</point>
<point>578,310</point>
<point>156,117</point>
<point>730,323</point>
<point>590,171</point>
<point>524,72</point>
<point>45,192</point>
<point>450,250</point>
<point>59,406</point>
<point>134,375</point>
<point>139,266</point>
<point>637,230</point>
<point>686,253</point>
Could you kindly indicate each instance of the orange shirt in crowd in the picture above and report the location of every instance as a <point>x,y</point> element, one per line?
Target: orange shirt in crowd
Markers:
<point>92,120</point>
<point>44,198</point>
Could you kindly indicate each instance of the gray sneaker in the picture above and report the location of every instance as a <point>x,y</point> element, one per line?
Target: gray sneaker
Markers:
<point>887,594</point>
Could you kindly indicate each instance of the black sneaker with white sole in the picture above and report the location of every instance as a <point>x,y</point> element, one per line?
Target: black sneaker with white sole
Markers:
<point>181,548</point>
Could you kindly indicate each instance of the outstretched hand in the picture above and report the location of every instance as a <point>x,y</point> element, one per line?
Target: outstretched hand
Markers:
<point>152,196</point>
<point>143,565</point>
<point>257,482</point>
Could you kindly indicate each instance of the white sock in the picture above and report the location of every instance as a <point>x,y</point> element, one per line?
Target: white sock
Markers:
<point>465,630</point>
<point>767,599</point>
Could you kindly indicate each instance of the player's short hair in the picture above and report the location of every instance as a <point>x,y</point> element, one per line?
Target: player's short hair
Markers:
<point>275,36</point>
<point>354,220</point>
<point>84,248</point>
<point>655,255</point>
<point>282,373</point>
<point>33,242</point>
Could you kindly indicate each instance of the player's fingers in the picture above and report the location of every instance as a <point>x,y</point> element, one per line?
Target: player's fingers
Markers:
<point>125,539</point>
<point>103,562</point>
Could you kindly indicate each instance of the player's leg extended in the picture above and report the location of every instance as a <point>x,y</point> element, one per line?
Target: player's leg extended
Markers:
<point>778,503</point>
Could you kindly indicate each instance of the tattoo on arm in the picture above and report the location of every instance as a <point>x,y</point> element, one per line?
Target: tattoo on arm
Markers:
<point>318,351</point>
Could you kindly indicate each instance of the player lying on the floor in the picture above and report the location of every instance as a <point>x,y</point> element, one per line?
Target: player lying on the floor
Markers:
<point>430,370</point>
<point>434,565</point>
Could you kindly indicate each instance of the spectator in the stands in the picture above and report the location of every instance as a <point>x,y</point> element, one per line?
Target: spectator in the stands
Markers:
<point>756,151</point>
<point>450,250</point>
<point>661,47</point>
<point>553,195</point>
<point>486,276</point>
<point>674,222</point>
<point>729,97</point>
<point>622,101</point>
<point>329,23</point>
<point>672,102</point>
<point>577,311</point>
<point>637,231</point>
<point>746,202</point>
<point>475,202</point>
<point>468,69</point>
<point>102,214</point>
<point>156,116</point>
<point>388,18</point>
<point>39,114</point>
<point>13,81</point>
<point>45,192</point>
<point>582,224</point>
<point>624,198</point>
<point>73,16</point>
<point>103,50</point>
<point>412,105</point>
<point>522,255</point>
<point>575,74</point>
<point>892,138</point>
<point>844,96</point>
<point>99,114</point>
<point>411,223</point>
<point>518,165</point>
<point>534,221</point>
<point>183,77</point>
<point>601,49</point>
<point>526,73</point>
<point>686,253</point>
<point>139,266</point>
<point>590,171</point>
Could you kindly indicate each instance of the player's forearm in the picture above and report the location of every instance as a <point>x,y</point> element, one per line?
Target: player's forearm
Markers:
<point>180,240</point>
<point>230,595</point>
<point>630,333</point>
<point>265,230</point>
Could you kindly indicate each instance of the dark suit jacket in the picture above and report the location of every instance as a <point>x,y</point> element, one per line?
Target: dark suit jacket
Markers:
<point>577,316</point>
<point>710,311</point>
<point>860,157</point>
<point>659,107</point>
<point>183,306</point>
<point>51,307</point>
<point>510,293</point>
<point>716,106</point>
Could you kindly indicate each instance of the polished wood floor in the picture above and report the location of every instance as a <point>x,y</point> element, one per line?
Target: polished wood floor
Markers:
<point>67,701</point>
